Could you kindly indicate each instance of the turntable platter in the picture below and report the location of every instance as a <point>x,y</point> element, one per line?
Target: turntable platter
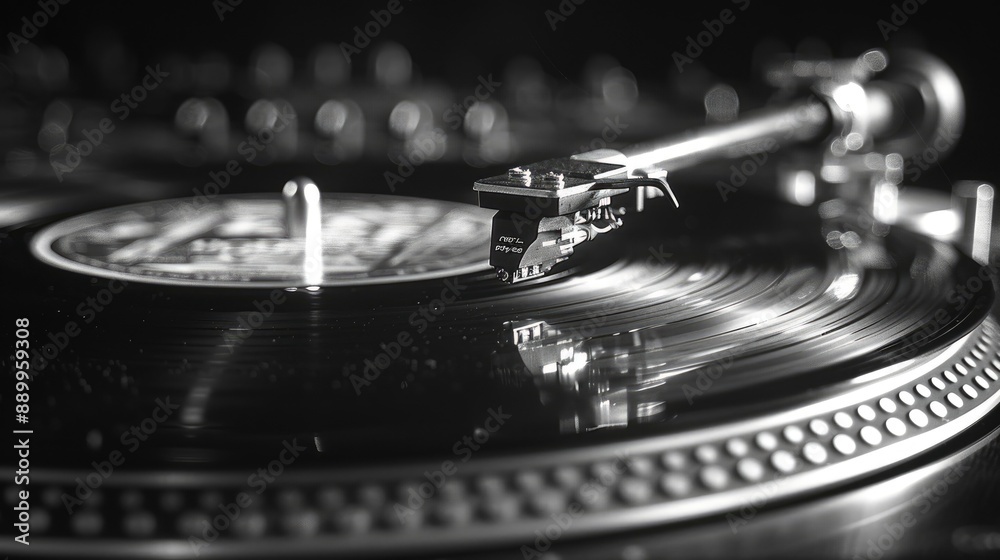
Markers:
<point>675,354</point>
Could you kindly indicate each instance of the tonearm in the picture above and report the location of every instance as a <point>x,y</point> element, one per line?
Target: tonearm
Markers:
<point>852,107</point>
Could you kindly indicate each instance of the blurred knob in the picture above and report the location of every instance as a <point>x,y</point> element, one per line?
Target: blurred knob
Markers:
<point>527,85</point>
<point>619,90</point>
<point>329,66</point>
<point>594,71</point>
<point>408,118</point>
<point>340,126</point>
<point>273,132</point>
<point>487,128</point>
<point>53,69</point>
<point>205,123</point>
<point>722,104</point>
<point>411,125</point>
<point>270,68</point>
<point>37,69</point>
<point>55,125</point>
<point>392,65</point>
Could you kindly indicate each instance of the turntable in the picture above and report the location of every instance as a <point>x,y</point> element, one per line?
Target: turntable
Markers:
<point>750,339</point>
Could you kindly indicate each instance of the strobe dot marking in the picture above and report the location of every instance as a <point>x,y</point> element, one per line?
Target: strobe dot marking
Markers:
<point>819,427</point>
<point>866,412</point>
<point>737,447</point>
<point>918,418</point>
<point>766,441</point>
<point>895,426</point>
<point>844,444</point>
<point>955,400</point>
<point>969,391</point>
<point>750,469</point>
<point>843,420</point>
<point>871,435</point>
<point>814,452</point>
<point>793,434</point>
<point>887,405</point>
<point>783,461</point>
<point>938,409</point>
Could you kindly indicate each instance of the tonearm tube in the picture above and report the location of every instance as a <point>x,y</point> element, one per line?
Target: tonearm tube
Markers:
<point>852,106</point>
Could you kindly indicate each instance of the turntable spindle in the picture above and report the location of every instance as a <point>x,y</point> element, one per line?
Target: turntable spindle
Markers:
<point>303,220</point>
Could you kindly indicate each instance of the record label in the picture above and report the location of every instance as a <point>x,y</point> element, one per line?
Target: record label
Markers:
<point>243,241</point>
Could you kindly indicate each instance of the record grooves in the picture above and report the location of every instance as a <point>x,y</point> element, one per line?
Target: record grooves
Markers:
<point>643,358</point>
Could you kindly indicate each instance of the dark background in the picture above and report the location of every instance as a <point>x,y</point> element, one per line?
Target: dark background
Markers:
<point>456,41</point>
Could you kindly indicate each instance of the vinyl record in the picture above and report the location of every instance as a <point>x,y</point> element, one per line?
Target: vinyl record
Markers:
<point>661,377</point>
